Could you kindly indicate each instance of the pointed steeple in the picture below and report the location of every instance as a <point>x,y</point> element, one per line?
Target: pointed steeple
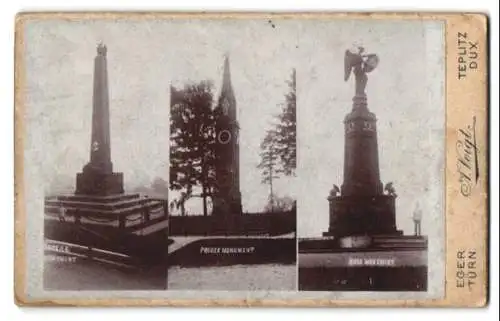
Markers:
<point>228,198</point>
<point>226,79</point>
<point>227,100</point>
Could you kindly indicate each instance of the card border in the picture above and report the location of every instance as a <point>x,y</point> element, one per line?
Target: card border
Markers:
<point>460,230</point>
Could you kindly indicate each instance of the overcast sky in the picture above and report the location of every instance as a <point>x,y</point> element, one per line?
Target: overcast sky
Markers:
<point>144,57</point>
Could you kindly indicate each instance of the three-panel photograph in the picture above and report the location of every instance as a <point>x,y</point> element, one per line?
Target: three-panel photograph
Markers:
<point>239,154</point>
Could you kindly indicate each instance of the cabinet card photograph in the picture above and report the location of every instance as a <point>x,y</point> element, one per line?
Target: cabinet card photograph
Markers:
<point>249,159</point>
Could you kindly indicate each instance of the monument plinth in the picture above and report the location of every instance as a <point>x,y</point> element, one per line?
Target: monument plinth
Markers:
<point>99,193</point>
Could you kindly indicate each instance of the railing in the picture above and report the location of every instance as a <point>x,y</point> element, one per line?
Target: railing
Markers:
<point>244,224</point>
<point>140,216</point>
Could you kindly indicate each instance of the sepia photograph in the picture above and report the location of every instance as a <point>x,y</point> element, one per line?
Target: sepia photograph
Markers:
<point>371,158</point>
<point>245,158</point>
<point>103,151</point>
<point>232,202</point>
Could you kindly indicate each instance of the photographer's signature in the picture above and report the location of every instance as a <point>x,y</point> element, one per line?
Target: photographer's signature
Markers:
<point>467,163</point>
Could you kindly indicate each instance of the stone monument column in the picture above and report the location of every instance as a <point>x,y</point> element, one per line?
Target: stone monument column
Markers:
<point>97,177</point>
<point>362,208</point>
<point>100,144</point>
<point>361,167</point>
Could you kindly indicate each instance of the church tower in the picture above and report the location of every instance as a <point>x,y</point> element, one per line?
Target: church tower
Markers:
<point>228,196</point>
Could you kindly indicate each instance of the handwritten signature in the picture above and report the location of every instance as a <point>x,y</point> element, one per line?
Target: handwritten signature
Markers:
<point>467,162</point>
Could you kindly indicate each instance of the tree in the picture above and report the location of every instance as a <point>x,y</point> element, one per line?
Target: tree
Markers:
<point>269,157</point>
<point>279,146</point>
<point>160,187</point>
<point>192,141</point>
<point>286,131</point>
<point>281,204</point>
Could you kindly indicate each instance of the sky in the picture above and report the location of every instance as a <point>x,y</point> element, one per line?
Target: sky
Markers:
<point>145,57</point>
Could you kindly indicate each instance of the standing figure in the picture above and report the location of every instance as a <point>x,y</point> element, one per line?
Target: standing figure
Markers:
<point>417,220</point>
<point>62,214</point>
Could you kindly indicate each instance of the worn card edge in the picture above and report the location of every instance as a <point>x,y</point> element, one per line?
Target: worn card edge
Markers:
<point>453,297</point>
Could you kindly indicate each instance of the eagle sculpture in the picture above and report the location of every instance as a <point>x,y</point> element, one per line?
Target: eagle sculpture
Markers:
<point>359,64</point>
<point>389,188</point>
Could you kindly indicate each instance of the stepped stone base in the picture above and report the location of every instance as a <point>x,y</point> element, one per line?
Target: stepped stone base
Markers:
<point>109,207</point>
<point>368,243</point>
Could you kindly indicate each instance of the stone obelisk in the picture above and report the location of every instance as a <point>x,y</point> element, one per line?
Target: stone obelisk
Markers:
<point>97,177</point>
<point>99,191</point>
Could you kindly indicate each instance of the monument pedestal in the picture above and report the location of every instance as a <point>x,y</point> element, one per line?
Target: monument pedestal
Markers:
<point>362,215</point>
<point>96,183</point>
<point>103,209</point>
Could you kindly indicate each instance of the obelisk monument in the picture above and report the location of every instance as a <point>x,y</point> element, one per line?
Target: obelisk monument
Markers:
<point>97,177</point>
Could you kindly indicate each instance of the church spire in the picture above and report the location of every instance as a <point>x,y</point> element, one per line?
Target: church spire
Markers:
<point>226,80</point>
<point>227,87</point>
<point>227,100</point>
<point>227,200</point>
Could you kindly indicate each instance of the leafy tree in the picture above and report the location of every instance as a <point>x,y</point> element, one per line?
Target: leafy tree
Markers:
<point>286,130</point>
<point>279,146</point>
<point>192,141</point>
<point>268,163</point>
<point>280,204</point>
<point>160,187</point>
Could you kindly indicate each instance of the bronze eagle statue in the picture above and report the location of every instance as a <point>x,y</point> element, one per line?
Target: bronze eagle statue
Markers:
<point>359,64</point>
